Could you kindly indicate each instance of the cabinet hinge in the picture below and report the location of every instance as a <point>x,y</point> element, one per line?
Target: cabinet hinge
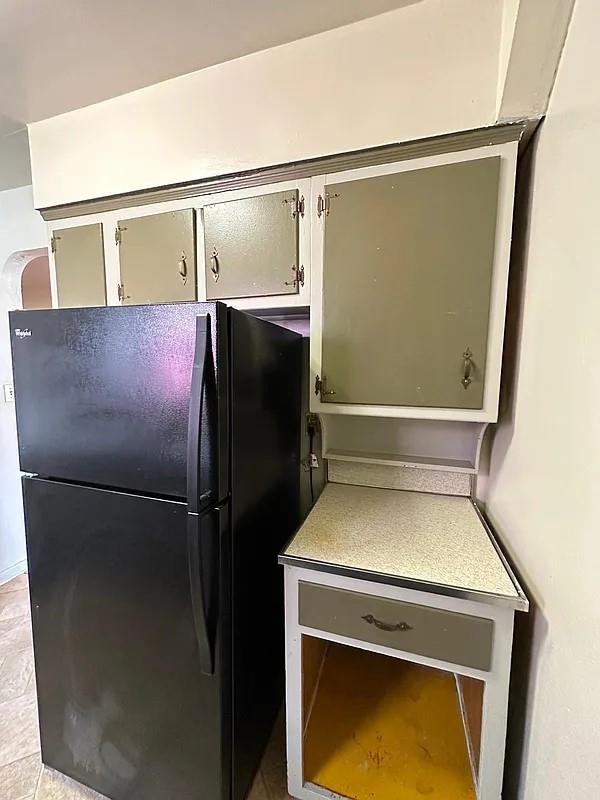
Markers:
<point>298,279</point>
<point>324,204</point>
<point>296,206</point>
<point>53,240</point>
<point>119,234</point>
<point>321,387</point>
<point>121,293</point>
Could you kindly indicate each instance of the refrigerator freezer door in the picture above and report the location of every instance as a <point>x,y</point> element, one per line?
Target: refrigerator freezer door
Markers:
<point>103,395</point>
<point>124,705</point>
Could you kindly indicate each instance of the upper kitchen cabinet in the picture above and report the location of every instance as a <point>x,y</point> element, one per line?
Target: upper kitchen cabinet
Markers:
<point>79,266</point>
<point>410,272</point>
<point>157,258</point>
<point>253,245</point>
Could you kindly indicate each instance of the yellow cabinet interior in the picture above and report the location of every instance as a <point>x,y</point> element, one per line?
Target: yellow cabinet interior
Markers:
<point>385,728</point>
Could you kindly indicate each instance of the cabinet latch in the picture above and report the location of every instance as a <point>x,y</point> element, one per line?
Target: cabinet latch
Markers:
<point>298,279</point>
<point>321,387</point>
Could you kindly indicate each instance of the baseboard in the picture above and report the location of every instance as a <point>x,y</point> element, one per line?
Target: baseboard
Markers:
<point>9,573</point>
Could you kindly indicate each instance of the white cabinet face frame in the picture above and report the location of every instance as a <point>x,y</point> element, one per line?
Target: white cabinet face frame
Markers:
<point>489,410</point>
<point>302,297</point>
<point>496,680</point>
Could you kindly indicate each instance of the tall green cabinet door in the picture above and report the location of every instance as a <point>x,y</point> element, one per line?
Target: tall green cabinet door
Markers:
<point>408,261</point>
<point>157,257</point>
<point>251,246</point>
<point>79,266</point>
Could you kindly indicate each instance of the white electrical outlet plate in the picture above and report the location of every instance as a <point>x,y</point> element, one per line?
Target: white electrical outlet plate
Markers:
<point>9,393</point>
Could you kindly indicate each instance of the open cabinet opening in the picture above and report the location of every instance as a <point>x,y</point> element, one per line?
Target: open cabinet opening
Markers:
<point>382,728</point>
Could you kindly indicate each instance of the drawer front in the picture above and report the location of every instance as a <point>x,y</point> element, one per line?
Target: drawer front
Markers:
<point>432,632</point>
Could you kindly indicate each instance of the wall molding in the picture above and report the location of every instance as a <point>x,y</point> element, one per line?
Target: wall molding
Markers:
<point>419,148</point>
<point>13,571</point>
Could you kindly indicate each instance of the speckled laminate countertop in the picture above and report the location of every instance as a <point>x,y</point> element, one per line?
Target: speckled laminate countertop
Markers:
<point>436,542</point>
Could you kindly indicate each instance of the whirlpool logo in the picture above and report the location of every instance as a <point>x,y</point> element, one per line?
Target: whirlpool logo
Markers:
<point>22,333</point>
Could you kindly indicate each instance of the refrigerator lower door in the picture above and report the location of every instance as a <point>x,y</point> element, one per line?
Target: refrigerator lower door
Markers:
<point>125,706</point>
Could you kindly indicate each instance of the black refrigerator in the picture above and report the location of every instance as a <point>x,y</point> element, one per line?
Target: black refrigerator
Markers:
<point>161,451</point>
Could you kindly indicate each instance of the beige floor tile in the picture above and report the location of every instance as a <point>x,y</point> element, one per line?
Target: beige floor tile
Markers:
<point>15,674</point>
<point>273,766</point>
<point>14,604</point>
<point>19,734</point>
<point>54,786</point>
<point>14,585</point>
<point>15,635</point>
<point>19,779</point>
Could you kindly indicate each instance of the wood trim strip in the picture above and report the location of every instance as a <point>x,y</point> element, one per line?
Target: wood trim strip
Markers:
<point>437,145</point>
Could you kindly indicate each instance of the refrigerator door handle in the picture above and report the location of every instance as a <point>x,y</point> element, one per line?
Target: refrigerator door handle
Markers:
<point>202,351</point>
<point>199,601</point>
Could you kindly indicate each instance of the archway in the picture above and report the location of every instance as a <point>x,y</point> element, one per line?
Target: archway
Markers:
<point>29,267</point>
<point>22,275</point>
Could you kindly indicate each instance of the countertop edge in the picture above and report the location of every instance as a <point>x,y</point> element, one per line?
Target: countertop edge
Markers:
<point>518,603</point>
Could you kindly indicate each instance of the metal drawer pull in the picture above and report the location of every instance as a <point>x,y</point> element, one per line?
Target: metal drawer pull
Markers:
<point>214,264</point>
<point>467,366</point>
<point>386,626</point>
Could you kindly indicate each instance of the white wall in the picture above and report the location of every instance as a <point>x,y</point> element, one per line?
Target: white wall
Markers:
<point>509,22</point>
<point>543,492</point>
<point>21,228</point>
<point>427,68</point>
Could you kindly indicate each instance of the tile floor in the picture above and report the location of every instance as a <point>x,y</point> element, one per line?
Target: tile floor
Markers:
<point>22,775</point>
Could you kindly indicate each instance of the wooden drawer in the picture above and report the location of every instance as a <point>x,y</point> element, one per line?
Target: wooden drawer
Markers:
<point>444,635</point>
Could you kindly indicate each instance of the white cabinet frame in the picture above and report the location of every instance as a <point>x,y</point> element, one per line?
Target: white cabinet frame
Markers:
<point>489,410</point>
<point>496,680</point>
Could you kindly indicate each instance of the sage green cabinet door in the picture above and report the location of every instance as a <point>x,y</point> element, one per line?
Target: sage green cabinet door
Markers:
<point>158,258</point>
<point>251,246</point>
<point>79,265</point>
<point>407,276</point>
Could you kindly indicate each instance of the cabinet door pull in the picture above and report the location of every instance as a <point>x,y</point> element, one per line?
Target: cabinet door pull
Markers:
<point>387,626</point>
<point>182,267</point>
<point>214,264</point>
<point>467,366</point>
